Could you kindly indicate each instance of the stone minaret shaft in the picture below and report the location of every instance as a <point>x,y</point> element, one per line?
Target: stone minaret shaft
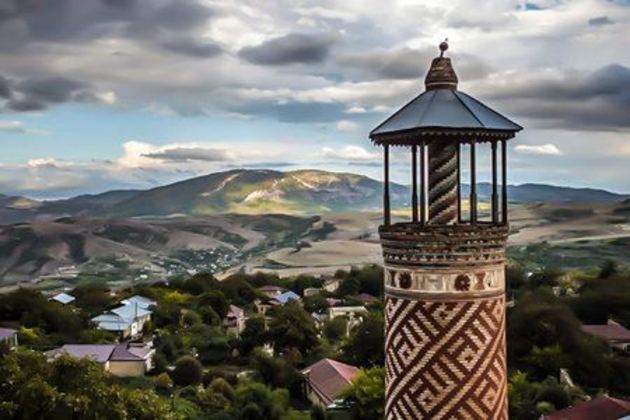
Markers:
<point>445,354</point>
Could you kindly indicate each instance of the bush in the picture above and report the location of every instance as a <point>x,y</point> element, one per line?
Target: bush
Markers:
<point>188,371</point>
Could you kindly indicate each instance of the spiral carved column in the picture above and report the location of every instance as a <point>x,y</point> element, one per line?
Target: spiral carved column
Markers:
<point>443,183</point>
<point>445,354</point>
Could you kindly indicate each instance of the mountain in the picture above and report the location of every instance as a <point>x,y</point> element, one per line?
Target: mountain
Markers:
<point>261,192</point>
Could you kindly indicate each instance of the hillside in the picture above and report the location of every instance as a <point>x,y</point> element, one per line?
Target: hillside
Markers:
<point>126,248</point>
<point>301,192</point>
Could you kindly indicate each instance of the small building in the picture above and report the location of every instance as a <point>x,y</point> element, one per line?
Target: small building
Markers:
<point>312,291</point>
<point>234,321</point>
<point>141,301</point>
<point>614,334</point>
<point>331,285</point>
<point>285,297</point>
<point>600,408</point>
<point>63,298</point>
<point>122,360</point>
<point>271,291</point>
<point>326,379</point>
<point>9,337</point>
<point>126,320</point>
<point>353,314</point>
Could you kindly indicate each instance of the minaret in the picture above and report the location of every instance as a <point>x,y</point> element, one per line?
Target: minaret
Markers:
<point>445,269</point>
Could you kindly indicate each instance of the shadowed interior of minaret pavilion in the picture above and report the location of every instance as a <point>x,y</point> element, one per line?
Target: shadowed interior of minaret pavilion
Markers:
<point>444,269</point>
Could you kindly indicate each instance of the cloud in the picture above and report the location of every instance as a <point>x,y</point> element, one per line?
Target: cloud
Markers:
<point>192,47</point>
<point>347,125</point>
<point>596,101</point>
<point>542,149</point>
<point>39,93</point>
<point>349,153</point>
<point>12,126</point>
<point>600,21</point>
<point>290,49</point>
<point>409,63</point>
<point>188,154</point>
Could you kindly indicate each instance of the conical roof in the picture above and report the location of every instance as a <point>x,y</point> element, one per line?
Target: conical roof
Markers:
<point>443,111</point>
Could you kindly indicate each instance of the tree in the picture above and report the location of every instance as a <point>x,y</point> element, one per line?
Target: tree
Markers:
<point>217,301</point>
<point>187,371</point>
<point>367,393</point>
<point>292,327</point>
<point>608,269</point>
<point>254,334</point>
<point>31,387</point>
<point>366,344</point>
<point>335,329</point>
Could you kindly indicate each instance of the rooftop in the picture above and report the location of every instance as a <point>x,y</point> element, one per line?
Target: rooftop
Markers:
<point>102,353</point>
<point>63,298</point>
<point>613,333</point>
<point>7,332</point>
<point>329,377</point>
<point>141,301</point>
<point>286,296</point>
<point>600,408</point>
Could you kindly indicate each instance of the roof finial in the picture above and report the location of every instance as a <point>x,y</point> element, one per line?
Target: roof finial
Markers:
<point>443,47</point>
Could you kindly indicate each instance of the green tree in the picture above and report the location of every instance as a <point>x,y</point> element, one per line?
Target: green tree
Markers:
<point>335,329</point>
<point>254,334</point>
<point>367,393</point>
<point>188,371</point>
<point>365,346</point>
<point>216,300</point>
<point>292,327</point>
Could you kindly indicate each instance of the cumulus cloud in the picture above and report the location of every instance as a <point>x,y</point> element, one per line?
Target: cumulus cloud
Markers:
<point>349,153</point>
<point>290,49</point>
<point>39,93</point>
<point>596,101</point>
<point>542,149</point>
<point>347,125</point>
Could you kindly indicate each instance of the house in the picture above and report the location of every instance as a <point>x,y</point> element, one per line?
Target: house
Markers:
<point>141,301</point>
<point>126,320</point>
<point>312,291</point>
<point>9,337</point>
<point>271,291</point>
<point>63,298</point>
<point>326,379</point>
<point>122,360</point>
<point>614,334</point>
<point>331,285</point>
<point>234,321</point>
<point>352,313</point>
<point>600,408</point>
<point>261,307</point>
<point>285,297</point>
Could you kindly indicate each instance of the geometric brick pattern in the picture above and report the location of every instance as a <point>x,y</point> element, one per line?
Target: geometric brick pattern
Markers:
<point>445,359</point>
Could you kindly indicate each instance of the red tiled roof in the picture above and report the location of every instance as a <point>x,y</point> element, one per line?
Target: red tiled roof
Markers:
<point>600,408</point>
<point>329,377</point>
<point>609,332</point>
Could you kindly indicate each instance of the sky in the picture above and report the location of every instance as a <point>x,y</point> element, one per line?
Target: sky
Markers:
<point>118,94</point>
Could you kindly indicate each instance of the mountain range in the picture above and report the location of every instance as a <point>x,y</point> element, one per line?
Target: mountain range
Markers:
<point>260,192</point>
